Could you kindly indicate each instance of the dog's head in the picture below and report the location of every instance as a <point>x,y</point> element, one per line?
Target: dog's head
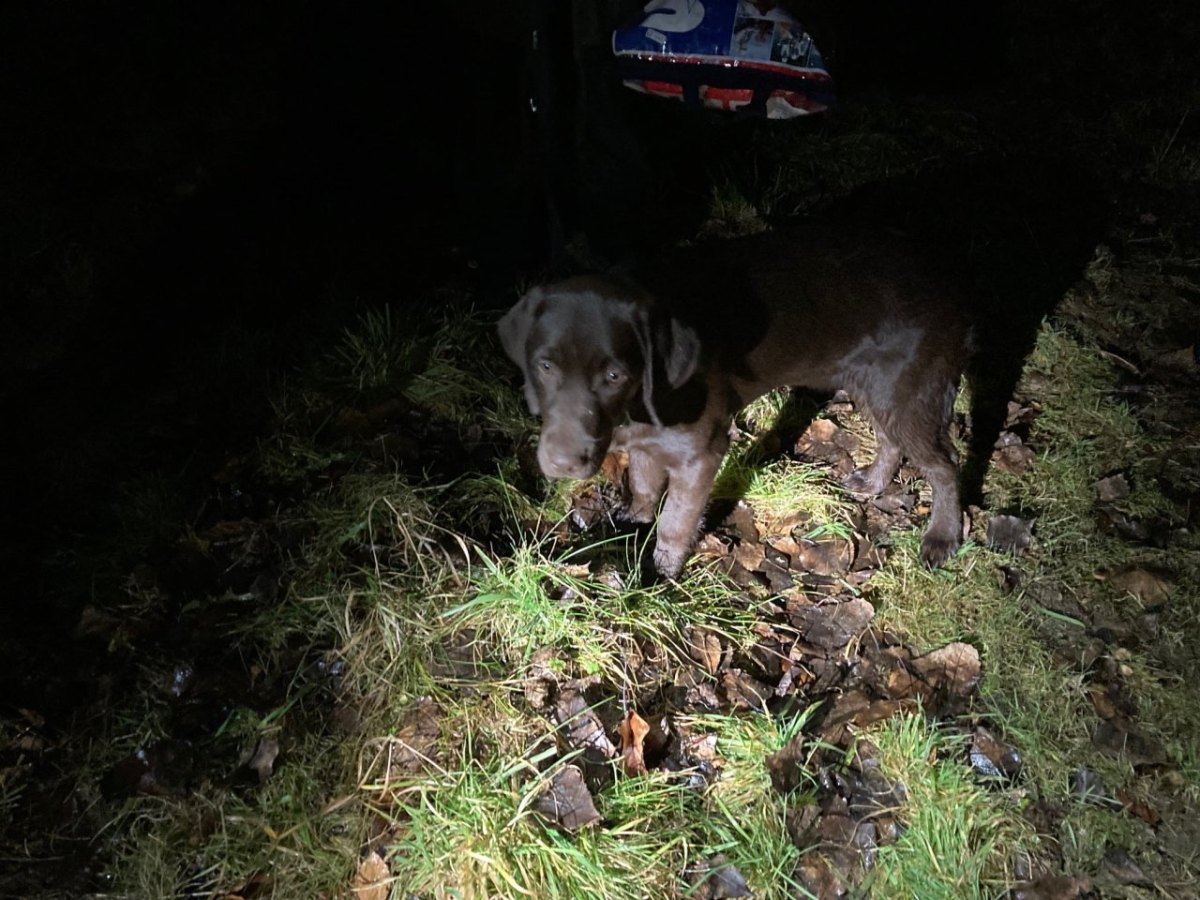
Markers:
<point>588,347</point>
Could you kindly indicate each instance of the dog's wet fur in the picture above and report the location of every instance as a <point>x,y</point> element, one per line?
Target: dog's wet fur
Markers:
<point>659,365</point>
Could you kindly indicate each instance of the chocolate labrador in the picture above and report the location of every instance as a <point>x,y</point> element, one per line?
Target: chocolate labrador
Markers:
<point>660,366</point>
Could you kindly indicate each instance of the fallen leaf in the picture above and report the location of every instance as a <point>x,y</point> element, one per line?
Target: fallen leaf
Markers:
<point>954,668</point>
<point>705,648</point>
<point>783,525</point>
<point>415,741</point>
<point>1011,454</point>
<point>817,876</point>
<point>749,556</point>
<point>373,880</point>
<point>581,727</point>
<point>1112,488</point>
<point>541,680</point>
<point>1010,534</point>
<point>1141,752</point>
<point>744,691</point>
<point>614,467</point>
<point>263,761</point>
<point>992,757</point>
<point>833,625</point>
<point>256,885</point>
<point>712,545</point>
<point>823,441</point>
<point>352,421</point>
<point>786,765</point>
<point>1181,360</point>
<point>566,800</point>
<point>1122,867</point>
<point>742,523</point>
<point>715,879</point>
<point>633,730</point>
<point>1151,588</point>
<point>589,508</point>
<point>1138,808</point>
<point>1054,887</point>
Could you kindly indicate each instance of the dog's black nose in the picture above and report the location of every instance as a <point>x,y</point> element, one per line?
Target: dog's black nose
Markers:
<point>566,465</point>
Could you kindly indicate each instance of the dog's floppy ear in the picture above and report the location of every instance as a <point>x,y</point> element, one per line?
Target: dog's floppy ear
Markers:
<point>679,347</point>
<point>515,324</point>
<point>514,333</point>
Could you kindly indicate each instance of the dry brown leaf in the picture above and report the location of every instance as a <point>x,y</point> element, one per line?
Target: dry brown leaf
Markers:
<point>741,521</point>
<point>954,668</point>
<point>784,525</point>
<point>716,879</point>
<point>749,556</point>
<point>1136,807</point>
<point>566,800</point>
<point>1181,360</point>
<point>786,765</point>
<point>415,741</point>
<point>633,730</point>
<point>705,648</point>
<point>1054,887</point>
<point>581,727</point>
<point>1010,534</point>
<point>372,881</point>
<point>1013,457</point>
<point>263,761</point>
<point>1112,488</point>
<point>1151,588</point>
<point>256,885</point>
<point>829,555</point>
<point>744,691</point>
<point>832,625</point>
<point>589,508</point>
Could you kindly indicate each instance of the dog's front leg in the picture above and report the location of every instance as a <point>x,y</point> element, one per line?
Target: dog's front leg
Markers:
<point>647,473</point>
<point>647,482</point>
<point>689,485</point>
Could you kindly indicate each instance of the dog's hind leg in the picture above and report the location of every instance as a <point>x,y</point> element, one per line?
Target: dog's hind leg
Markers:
<point>870,480</point>
<point>925,440</point>
<point>944,533</point>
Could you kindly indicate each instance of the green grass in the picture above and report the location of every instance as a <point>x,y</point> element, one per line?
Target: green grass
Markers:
<point>960,835</point>
<point>779,488</point>
<point>467,828</point>
<point>529,601</point>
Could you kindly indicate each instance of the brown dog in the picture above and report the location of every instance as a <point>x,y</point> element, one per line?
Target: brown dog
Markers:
<point>608,363</point>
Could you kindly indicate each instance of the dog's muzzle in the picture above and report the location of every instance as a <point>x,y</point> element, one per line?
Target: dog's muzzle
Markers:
<point>570,461</point>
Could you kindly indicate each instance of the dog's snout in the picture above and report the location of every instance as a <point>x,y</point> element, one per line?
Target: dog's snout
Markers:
<point>558,463</point>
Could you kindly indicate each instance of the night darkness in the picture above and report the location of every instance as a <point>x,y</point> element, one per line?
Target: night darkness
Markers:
<point>181,182</point>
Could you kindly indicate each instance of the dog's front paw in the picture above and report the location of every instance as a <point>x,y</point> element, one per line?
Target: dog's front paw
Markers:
<point>863,483</point>
<point>937,550</point>
<point>639,513</point>
<point>668,561</point>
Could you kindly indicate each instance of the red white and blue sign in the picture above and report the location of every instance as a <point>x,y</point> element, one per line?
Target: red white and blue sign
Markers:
<point>747,56</point>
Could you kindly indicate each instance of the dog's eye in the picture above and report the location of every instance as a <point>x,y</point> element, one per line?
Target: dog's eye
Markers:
<point>545,365</point>
<point>615,376</point>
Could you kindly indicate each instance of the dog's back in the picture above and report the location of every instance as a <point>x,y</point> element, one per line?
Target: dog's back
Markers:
<point>811,307</point>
